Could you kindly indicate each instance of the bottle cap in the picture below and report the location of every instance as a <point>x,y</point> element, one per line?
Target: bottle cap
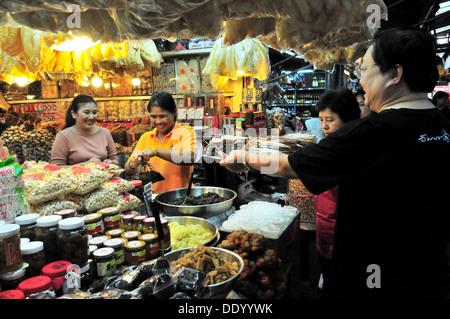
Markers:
<point>12,294</point>
<point>31,247</point>
<point>35,284</point>
<point>71,223</point>
<point>47,221</point>
<point>8,230</point>
<point>26,219</point>
<point>56,268</point>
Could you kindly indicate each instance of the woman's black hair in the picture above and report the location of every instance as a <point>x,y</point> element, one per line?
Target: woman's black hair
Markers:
<point>75,106</point>
<point>439,95</point>
<point>342,102</point>
<point>164,100</point>
<point>414,50</point>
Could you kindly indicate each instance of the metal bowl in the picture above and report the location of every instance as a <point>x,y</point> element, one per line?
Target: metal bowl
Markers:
<point>204,211</point>
<point>222,289</point>
<point>190,220</point>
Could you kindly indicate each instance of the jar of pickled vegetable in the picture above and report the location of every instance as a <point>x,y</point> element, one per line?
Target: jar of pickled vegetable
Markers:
<point>166,230</point>
<point>67,213</point>
<point>11,280</point>
<point>94,224</point>
<point>105,261</point>
<point>139,222</point>
<point>86,277</point>
<point>35,285</point>
<point>111,217</point>
<point>150,226</point>
<point>135,252</point>
<point>127,222</point>
<point>27,225</point>
<point>10,255</point>
<point>152,245</point>
<point>73,240</point>
<point>34,255</point>
<point>98,241</point>
<point>46,232</point>
<point>114,233</point>
<point>57,271</point>
<point>117,244</point>
<point>131,235</point>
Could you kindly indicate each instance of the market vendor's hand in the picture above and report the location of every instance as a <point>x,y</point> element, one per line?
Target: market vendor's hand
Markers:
<point>235,162</point>
<point>141,157</point>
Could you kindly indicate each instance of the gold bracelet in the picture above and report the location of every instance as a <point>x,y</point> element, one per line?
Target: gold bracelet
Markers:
<point>154,151</point>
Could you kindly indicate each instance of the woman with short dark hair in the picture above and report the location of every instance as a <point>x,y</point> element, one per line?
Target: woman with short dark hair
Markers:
<point>81,141</point>
<point>392,227</point>
<point>170,148</point>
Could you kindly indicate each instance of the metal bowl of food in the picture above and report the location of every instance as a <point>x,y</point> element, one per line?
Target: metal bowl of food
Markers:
<point>221,289</point>
<point>188,238</point>
<point>207,210</point>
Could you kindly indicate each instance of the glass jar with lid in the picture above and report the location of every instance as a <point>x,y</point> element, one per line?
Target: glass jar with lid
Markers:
<point>127,222</point>
<point>117,244</point>
<point>135,252</point>
<point>67,213</point>
<point>57,271</point>
<point>10,255</point>
<point>139,222</point>
<point>46,232</point>
<point>114,233</point>
<point>11,280</point>
<point>152,245</point>
<point>111,217</point>
<point>12,294</point>
<point>35,285</point>
<point>98,241</point>
<point>150,226</point>
<point>131,235</point>
<point>138,189</point>
<point>105,261</point>
<point>94,224</point>
<point>166,230</point>
<point>73,240</point>
<point>34,255</point>
<point>86,277</point>
<point>27,225</point>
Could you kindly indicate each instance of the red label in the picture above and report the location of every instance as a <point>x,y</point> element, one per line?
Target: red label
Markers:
<point>102,164</point>
<point>12,253</point>
<point>33,176</point>
<point>115,180</point>
<point>52,168</point>
<point>126,197</point>
<point>76,170</point>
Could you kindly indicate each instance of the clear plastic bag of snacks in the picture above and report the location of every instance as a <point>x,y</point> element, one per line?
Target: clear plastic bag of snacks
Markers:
<point>127,202</point>
<point>85,179</point>
<point>106,167</point>
<point>118,184</point>
<point>51,207</point>
<point>42,187</point>
<point>100,198</point>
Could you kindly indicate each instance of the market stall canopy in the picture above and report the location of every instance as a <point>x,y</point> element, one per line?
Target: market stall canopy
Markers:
<point>324,31</point>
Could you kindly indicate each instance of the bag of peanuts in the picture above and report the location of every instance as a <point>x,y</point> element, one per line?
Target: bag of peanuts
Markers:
<point>100,198</point>
<point>42,187</point>
<point>85,179</point>
<point>118,184</point>
<point>51,207</point>
<point>127,202</point>
<point>106,167</point>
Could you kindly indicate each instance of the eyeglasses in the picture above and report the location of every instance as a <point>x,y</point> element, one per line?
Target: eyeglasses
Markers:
<point>360,69</point>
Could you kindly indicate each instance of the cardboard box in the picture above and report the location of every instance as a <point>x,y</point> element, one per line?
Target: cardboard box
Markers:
<point>196,43</point>
<point>214,104</point>
<point>49,90</point>
<point>208,43</point>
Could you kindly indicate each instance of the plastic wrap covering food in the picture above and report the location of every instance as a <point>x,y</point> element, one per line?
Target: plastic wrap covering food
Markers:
<point>246,58</point>
<point>206,84</point>
<point>12,200</point>
<point>118,184</point>
<point>85,179</point>
<point>124,108</point>
<point>51,207</point>
<point>100,198</point>
<point>12,138</point>
<point>164,78</point>
<point>188,76</point>
<point>127,202</point>
<point>77,199</point>
<point>42,187</point>
<point>106,167</point>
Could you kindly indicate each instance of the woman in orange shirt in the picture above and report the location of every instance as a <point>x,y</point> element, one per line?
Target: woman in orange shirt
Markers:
<point>170,148</point>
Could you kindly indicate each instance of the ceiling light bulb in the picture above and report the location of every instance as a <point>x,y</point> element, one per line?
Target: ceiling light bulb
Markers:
<point>97,82</point>
<point>22,81</point>
<point>135,81</point>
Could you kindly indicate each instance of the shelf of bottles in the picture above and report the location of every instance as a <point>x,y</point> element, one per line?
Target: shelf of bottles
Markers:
<point>303,92</point>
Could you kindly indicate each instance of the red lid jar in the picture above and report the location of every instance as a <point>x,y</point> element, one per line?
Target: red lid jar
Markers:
<point>12,294</point>
<point>56,271</point>
<point>35,285</point>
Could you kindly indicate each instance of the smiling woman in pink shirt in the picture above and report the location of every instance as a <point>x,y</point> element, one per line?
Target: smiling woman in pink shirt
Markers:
<point>81,141</point>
